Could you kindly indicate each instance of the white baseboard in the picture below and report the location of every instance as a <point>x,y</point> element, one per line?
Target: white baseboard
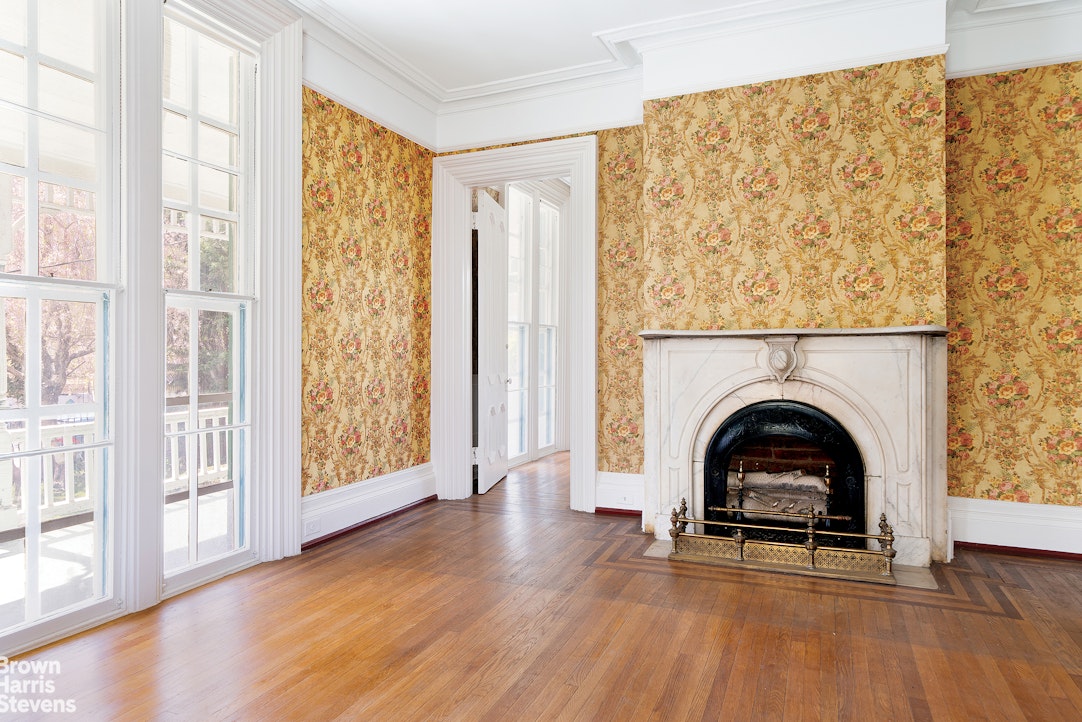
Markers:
<point>331,511</point>
<point>1043,527</point>
<point>620,491</point>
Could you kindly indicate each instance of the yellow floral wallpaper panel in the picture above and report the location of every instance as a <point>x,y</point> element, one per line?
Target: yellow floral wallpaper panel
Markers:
<point>809,202</point>
<point>1014,245</point>
<point>366,279</point>
<point>621,310</point>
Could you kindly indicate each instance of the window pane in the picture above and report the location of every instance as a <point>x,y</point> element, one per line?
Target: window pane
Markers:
<point>218,67</point>
<point>175,524</point>
<point>517,349</point>
<point>68,543</point>
<point>13,29</point>
<point>67,232</point>
<point>12,76</point>
<point>215,353</point>
<point>66,31</point>
<point>69,342</point>
<point>546,265</point>
<point>546,356</point>
<point>516,423</point>
<point>13,551</point>
<point>517,370</point>
<point>177,350</point>
<point>176,136</point>
<point>12,223</point>
<point>546,417</point>
<point>174,248</point>
<point>218,487</point>
<point>67,488</point>
<point>217,255</point>
<point>217,146</point>
<point>175,63</point>
<point>217,190</point>
<point>518,286</point>
<point>66,95</point>
<point>14,391</point>
<point>175,179</point>
<point>67,151</point>
<point>13,137</point>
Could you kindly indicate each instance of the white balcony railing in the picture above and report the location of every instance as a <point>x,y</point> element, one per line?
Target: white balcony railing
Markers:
<point>70,471</point>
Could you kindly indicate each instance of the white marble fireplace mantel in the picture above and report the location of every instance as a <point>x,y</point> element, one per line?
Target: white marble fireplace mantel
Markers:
<point>886,386</point>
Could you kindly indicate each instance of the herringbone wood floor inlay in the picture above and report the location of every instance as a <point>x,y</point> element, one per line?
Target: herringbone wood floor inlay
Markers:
<point>509,606</point>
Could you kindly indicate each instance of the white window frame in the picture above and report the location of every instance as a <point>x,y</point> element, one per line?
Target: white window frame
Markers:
<point>29,285</point>
<point>557,195</point>
<point>139,402</point>
<point>193,300</point>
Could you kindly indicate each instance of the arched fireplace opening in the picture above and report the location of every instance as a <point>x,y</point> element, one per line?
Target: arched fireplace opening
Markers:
<point>784,456</point>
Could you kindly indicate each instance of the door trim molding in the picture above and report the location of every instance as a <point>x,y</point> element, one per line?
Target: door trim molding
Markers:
<point>453,177</point>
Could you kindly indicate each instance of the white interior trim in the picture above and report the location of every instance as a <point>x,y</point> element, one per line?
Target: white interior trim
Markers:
<point>621,491</point>
<point>276,358</point>
<point>1044,527</point>
<point>336,509</point>
<point>453,177</point>
<point>140,315</point>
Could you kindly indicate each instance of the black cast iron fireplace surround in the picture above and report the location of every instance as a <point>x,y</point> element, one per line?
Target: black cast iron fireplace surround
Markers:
<point>806,425</point>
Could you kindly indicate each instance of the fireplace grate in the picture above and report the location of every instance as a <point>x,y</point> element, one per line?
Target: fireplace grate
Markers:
<point>808,557</point>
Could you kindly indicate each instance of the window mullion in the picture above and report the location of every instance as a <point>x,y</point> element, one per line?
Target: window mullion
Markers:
<point>32,466</point>
<point>535,315</point>
<point>192,447</point>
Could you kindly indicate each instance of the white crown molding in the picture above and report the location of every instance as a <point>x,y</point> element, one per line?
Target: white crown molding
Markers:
<point>316,28</point>
<point>1012,41</point>
<point>597,81</point>
<point>975,13</point>
<point>585,112</point>
<point>384,63</point>
<point>738,19</point>
<point>547,83</point>
<point>737,80</point>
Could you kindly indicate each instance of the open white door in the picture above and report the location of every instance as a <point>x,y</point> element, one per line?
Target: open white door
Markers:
<point>491,224</point>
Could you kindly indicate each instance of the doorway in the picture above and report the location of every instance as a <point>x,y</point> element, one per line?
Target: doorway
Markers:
<point>453,178</point>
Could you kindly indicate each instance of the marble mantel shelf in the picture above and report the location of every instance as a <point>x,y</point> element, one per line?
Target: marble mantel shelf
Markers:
<point>928,330</point>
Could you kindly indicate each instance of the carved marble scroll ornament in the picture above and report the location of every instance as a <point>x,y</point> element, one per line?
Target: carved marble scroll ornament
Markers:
<point>781,356</point>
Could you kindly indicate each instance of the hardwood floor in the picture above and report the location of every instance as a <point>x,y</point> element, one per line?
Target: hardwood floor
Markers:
<point>511,607</point>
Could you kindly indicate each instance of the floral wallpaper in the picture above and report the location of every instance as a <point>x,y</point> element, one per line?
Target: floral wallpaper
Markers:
<point>366,283</point>
<point>621,311</point>
<point>809,202</point>
<point>1014,281</point>
<point>874,196</point>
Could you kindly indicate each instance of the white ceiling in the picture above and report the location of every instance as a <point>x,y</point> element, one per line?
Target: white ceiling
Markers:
<point>460,49</point>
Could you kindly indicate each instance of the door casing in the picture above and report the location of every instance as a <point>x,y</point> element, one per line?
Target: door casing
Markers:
<point>453,178</point>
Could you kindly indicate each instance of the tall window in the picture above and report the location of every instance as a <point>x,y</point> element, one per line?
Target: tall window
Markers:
<point>57,276</point>
<point>533,319</point>
<point>207,278</point>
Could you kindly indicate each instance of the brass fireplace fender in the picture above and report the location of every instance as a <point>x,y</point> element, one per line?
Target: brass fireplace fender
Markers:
<point>807,558</point>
